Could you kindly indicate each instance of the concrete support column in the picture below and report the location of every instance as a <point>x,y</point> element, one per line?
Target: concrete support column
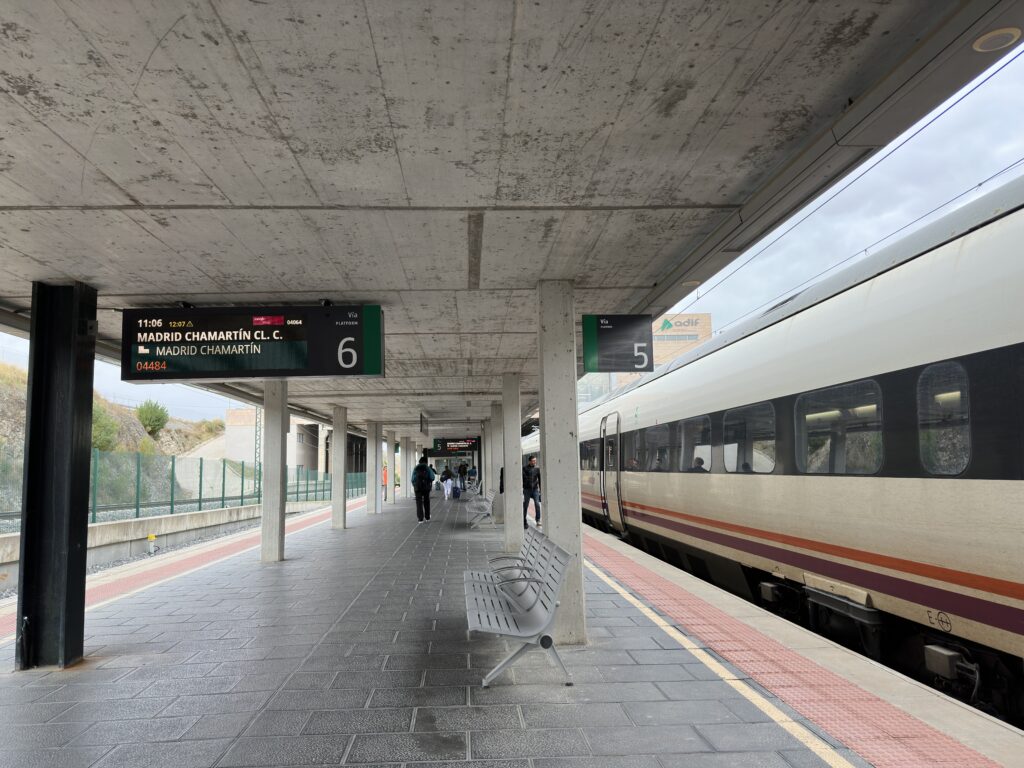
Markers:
<point>275,444</point>
<point>403,452</point>
<point>392,468</point>
<point>559,447</point>
<point>485,457</point>
<point>373,459</point>
<point>55,512</point>
<point>512,411</point>
<point>497,460</point>
<point>339,463</point>
<point>321,447</point>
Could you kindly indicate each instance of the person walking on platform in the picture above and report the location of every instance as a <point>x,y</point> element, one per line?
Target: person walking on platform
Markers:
<point>446,482</point>
<point>463,469</point>
<point>422,479</point>
<point>531,489</point>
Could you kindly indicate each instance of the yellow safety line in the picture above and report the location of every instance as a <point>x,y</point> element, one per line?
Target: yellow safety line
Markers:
<point>806,737</point>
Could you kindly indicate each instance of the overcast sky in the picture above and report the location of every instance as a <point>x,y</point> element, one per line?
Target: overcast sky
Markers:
<point>978,134</point>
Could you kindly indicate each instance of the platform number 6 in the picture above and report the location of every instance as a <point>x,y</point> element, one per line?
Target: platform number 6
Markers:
<point>347,357</point>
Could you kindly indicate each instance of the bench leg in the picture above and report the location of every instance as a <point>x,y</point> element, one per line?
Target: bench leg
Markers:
<point>549,645</point>
<point>505,663</point>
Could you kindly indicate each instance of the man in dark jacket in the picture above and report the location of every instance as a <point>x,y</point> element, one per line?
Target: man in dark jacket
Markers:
<point>422,480</point>
<point>531,489</point>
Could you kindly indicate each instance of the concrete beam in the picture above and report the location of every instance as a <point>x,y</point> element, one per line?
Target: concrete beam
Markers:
<point>275,445</point>
<point>511,411</point>
<point>339,465</point>
<point>559,448</point>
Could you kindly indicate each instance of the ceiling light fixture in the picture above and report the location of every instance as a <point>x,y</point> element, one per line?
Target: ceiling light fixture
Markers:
<point>997,39</point>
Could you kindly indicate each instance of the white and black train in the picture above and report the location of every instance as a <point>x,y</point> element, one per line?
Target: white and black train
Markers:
<point>853,458</point>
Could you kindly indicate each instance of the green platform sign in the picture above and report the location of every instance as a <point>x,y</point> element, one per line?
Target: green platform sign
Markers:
<point>223,343</point>
<point>618,343</point>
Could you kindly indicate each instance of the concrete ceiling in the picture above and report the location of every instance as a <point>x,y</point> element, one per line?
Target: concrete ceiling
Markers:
<point>439,158</point>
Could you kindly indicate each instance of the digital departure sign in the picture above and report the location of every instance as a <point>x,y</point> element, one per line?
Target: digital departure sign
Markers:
<point>456,445</point>
<point>617,343</point>
<point>222,343</point>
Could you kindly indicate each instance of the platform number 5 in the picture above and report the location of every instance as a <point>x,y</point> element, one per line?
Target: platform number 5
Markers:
<point>638,351</point>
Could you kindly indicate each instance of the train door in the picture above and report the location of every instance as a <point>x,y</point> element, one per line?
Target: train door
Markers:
<point>610,486</point>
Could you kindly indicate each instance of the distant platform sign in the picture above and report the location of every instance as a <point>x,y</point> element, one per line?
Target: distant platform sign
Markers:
<point>617,343</point>
<point>225,343</point>
<point>456,445</point>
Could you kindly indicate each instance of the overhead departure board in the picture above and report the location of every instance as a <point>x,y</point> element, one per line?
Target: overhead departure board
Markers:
<point>617,343</point>
<point>456,444</point>
<point>222,343</point>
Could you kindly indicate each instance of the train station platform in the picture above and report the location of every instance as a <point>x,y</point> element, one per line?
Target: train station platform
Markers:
<point>353,651</point>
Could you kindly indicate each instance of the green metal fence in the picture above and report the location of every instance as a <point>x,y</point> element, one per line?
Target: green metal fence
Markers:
<point>127,485</point>
<point>10,489</point>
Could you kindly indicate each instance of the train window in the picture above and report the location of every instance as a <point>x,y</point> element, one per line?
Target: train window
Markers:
<point>696,455</point>
<point>750,439</point>
<point>943,419</point>
<point>631,449</point>
<point>590,455</point>
<point>839,430</point>
<point>658,440</point>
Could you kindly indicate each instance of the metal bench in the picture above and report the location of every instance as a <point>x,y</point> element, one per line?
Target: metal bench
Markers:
<point>505,566</point>
<point>482,507</point>
<point>522,606</point>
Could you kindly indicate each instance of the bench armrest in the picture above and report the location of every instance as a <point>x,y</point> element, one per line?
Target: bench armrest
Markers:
<point>514,568</point>
<point>521,580</point>
<point>505,557</point>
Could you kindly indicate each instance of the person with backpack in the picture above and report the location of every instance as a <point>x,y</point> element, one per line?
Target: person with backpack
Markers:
<point>446,481</point>
<point>422,479</point>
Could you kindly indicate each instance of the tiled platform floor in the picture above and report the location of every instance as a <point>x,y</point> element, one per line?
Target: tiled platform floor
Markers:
<point>354,651</point>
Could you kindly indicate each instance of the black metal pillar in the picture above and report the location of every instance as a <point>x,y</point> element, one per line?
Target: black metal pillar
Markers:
<point>55,505</point>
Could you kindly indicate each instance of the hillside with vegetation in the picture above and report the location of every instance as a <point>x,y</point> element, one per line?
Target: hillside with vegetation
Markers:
<point>115,427</point>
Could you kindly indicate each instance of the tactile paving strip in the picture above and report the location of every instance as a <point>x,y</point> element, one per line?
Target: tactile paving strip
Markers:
<point>878,731</point>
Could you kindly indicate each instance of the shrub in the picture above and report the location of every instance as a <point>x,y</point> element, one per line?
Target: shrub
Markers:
<point>152,416</point>
<point>104,429</point>
<point>211,428</point>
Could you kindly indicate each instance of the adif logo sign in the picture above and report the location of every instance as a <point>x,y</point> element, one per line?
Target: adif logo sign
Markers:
<point>669,325</point>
